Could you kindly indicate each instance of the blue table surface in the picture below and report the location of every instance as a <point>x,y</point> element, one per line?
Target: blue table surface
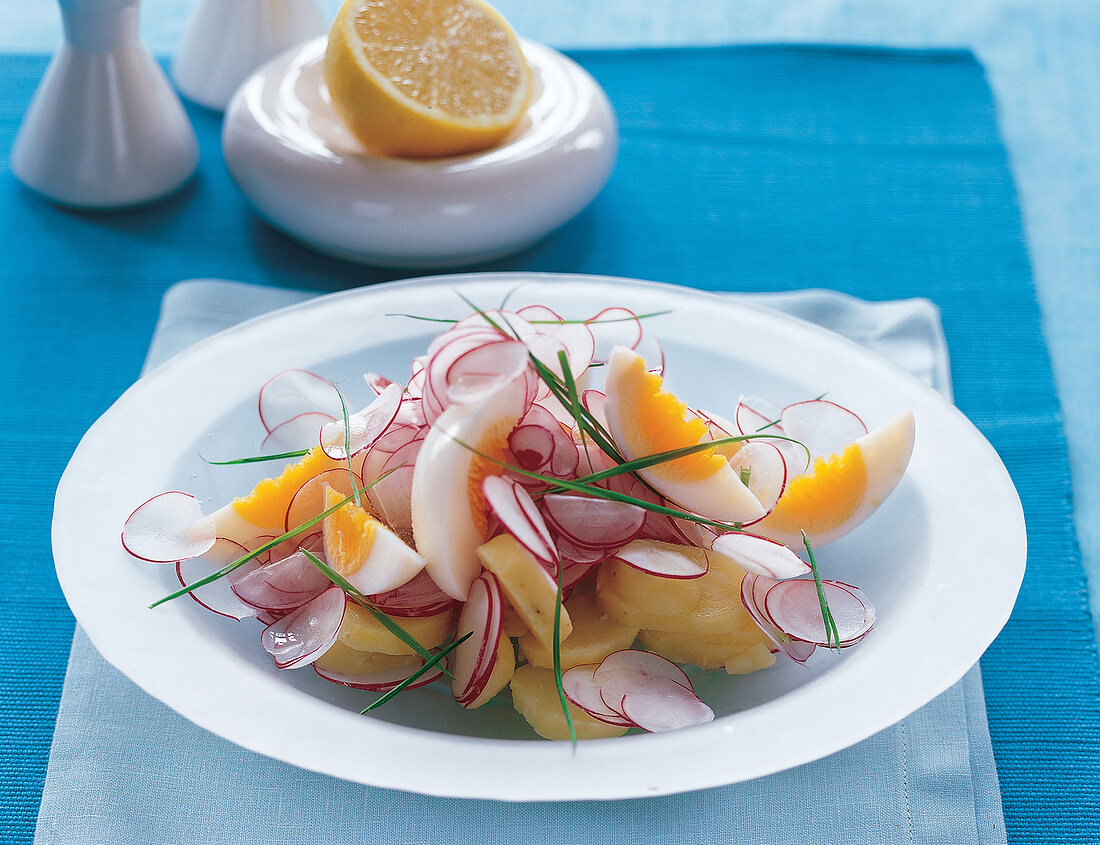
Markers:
<point>1043,62</point>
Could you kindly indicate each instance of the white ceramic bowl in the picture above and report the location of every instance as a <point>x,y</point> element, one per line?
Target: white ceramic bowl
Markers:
<point>304,171</point>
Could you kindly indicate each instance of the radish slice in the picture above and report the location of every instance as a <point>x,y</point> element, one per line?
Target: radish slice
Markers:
<point>291,393</point>
<point>217,596</point>
<point>313,542</point>
<point>417,597</point>
<point>594,402</point>
<point>629,670</point>
<point>283,585</point>
<point>377,382</point>
<point>825,427</point>
<point>168,527</point>
<point>295,433</point>
<point>760,555</point>
<point>592,522</point>
<point>581,688</point>
<point>571,554</point>
<point>445,353</point>
<point>666,560</point>
<point>531,445</point>
<point>553,334</point>
<point>754,590</point>
<point>309,499</point>
<point>543,444</point>
<point>517,512</point>
<point>664,705</point>
<point>483,370</point>
<point>755,416</point>
<point>482,617</point>
<point>766,468</point>
<point>366,426</point>
<point>300,637</point>
<point>384,680</point>
<point>794,608</point>
<point>613,327</point>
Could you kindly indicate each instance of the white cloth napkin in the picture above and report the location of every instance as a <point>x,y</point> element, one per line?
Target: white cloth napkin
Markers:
<point>126,769</point>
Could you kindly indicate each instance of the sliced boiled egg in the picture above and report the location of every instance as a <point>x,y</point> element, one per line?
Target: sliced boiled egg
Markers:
<point>364,551</point>
<point>263,512</point>
<point>838,492</point>
<point>645,420</point>
<point>450,517</point>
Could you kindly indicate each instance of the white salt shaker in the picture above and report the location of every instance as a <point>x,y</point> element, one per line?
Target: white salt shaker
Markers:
<point>105,129</point>
<point>226,40</point>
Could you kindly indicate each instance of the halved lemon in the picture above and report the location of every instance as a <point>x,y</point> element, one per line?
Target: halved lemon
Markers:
<point>420,78</point>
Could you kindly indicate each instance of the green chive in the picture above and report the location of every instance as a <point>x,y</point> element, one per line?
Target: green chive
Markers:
<point>369,606</point>
<point>255,459</point>
<point>832,633</point>
<point>401,687</point>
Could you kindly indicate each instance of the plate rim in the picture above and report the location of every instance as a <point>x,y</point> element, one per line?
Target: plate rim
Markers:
<point>569,777</point>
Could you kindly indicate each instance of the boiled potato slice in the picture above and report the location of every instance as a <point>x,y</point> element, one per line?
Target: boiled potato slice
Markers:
<point>645,594</point>
<point>361,631</point>
<point>529,588</point>
<point>710,604</point>
<point>746,651</point>
<point>535,696</point>
<point>343,658</point>
<point>760,656</point>
<point>595,635</point>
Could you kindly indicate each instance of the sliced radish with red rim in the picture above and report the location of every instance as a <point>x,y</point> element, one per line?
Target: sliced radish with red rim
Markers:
<point>520,517</point>
<point>666,560</point>
<point>754,590</point>
<point>582,689</point>
<point>282,585</point>
<point>592,522</point>
<point>168,527</point>
<point>483,370</point>
<point>292,393</point>
<point>825,427</point>
<point>218,595</point>
<point>664,705</point>
<point>417,597</point>
<point>766,470</point>
<point>757,416</point>
<point>481,617</point>
<point>364,427</point>
<point>303,635</point>
<point>794,608</point>
<point>760,555</point>
<point>300,432</point>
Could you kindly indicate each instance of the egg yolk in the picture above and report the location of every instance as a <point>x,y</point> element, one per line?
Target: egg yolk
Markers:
<point>659,422</point>
<point>349,534</point>
<point>267,504</point>
<point>824,498</point>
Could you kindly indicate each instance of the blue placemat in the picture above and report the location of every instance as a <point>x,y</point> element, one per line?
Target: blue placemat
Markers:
<point>877,173</point>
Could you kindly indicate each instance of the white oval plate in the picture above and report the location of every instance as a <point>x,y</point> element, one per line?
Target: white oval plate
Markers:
<point>942,559</point>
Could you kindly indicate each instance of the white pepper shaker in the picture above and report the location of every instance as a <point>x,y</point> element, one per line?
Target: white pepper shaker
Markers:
<point>105,129</point>
<point>226,40</point>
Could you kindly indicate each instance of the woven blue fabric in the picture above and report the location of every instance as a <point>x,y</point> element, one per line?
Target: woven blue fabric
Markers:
<point>877,173</point>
